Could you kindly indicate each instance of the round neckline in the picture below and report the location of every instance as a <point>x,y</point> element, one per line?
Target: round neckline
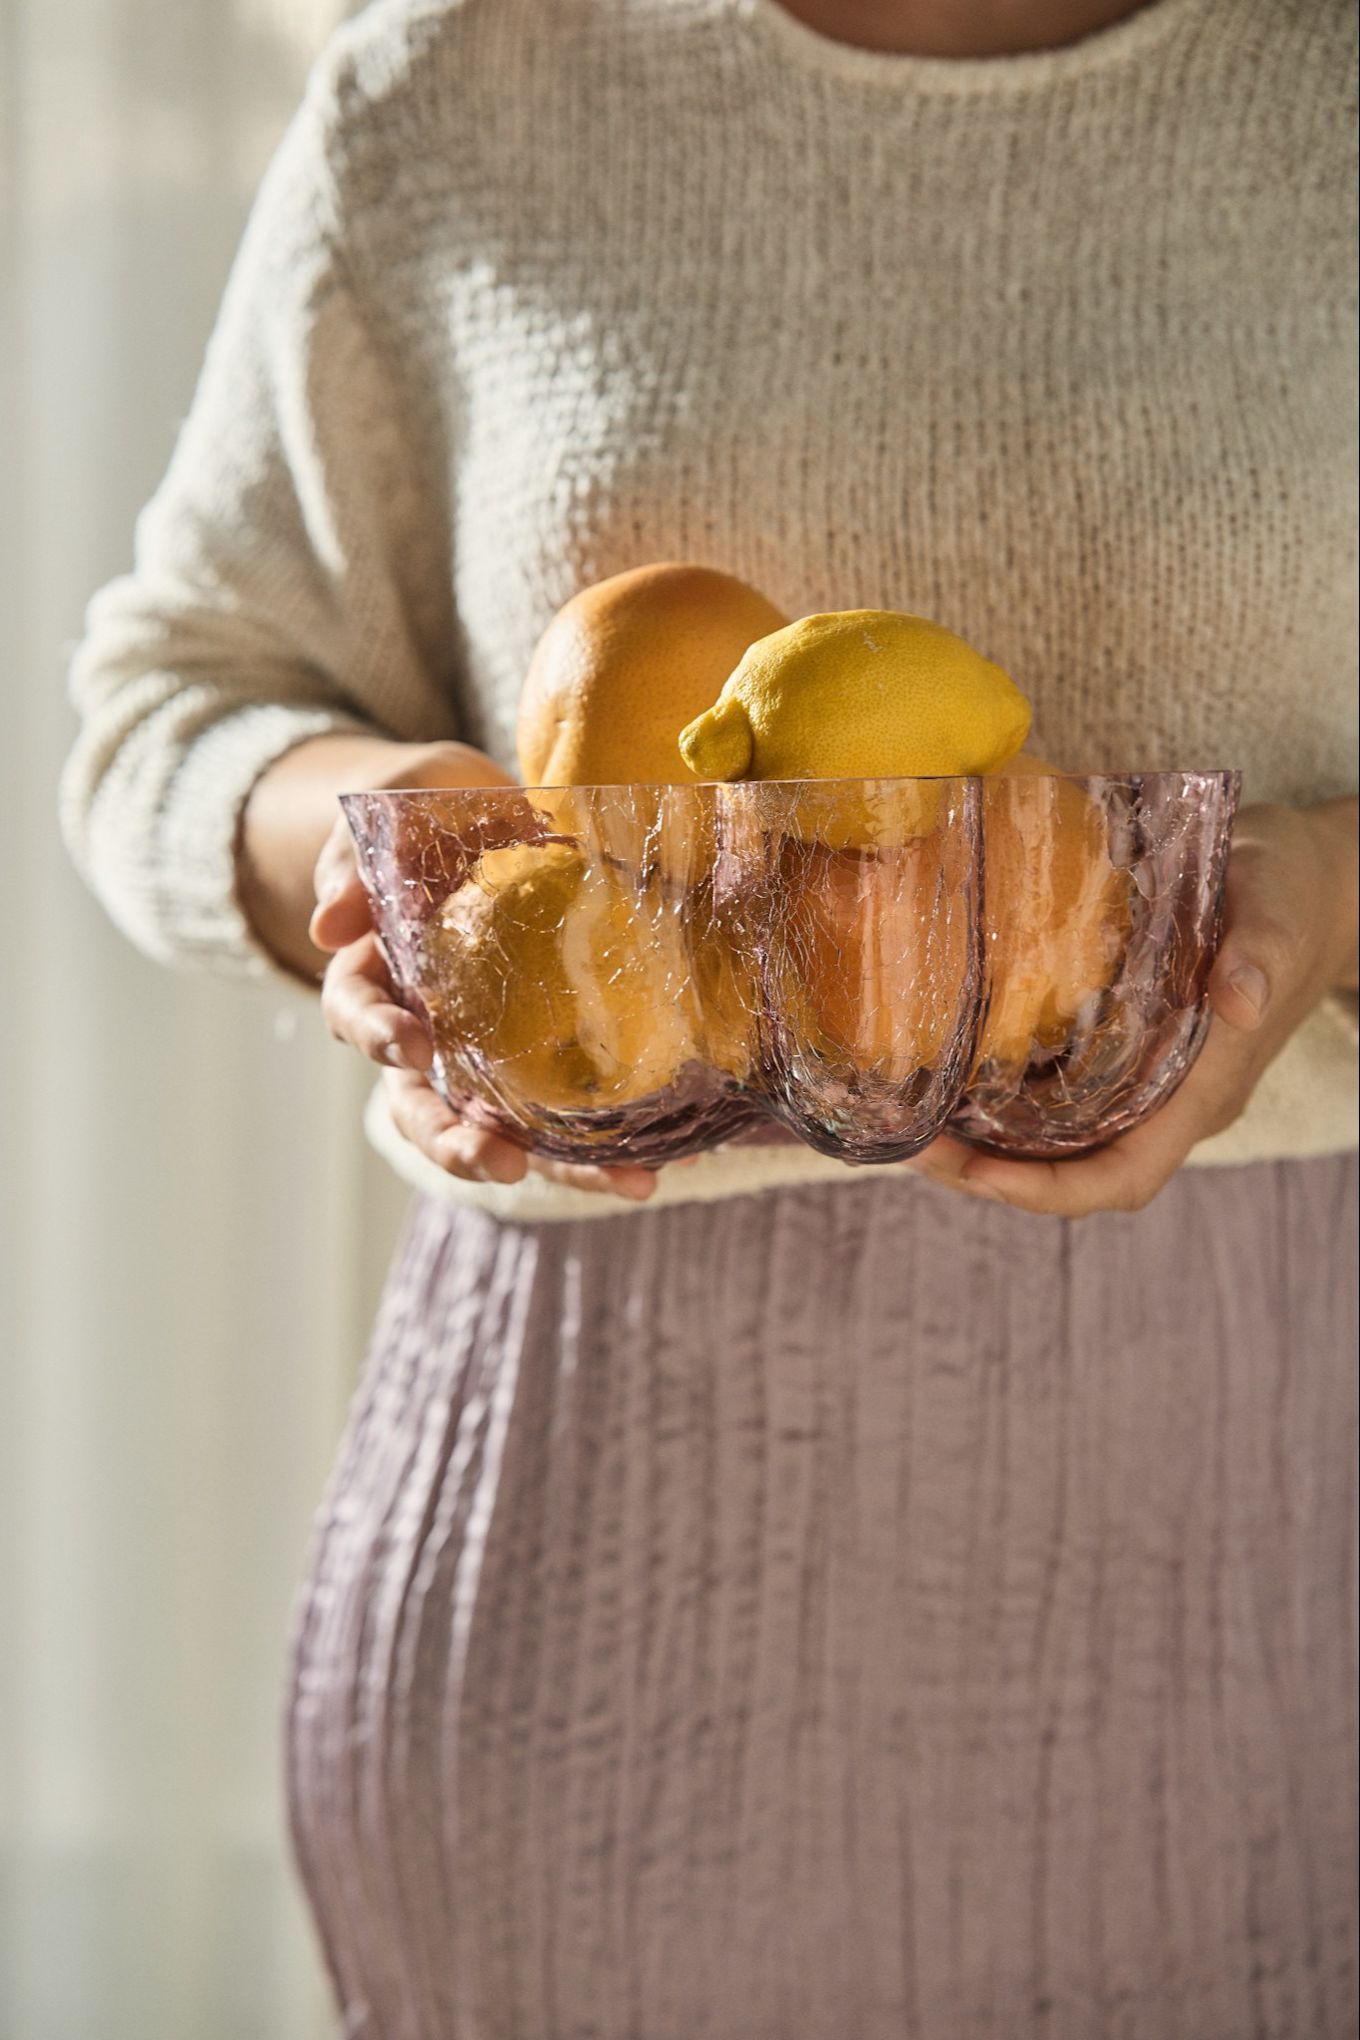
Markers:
<point>797,40</point>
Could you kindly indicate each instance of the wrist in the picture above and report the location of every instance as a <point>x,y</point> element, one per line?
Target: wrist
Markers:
<point>288,815</point>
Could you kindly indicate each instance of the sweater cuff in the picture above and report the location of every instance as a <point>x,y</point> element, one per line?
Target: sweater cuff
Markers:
<point>197,916</point>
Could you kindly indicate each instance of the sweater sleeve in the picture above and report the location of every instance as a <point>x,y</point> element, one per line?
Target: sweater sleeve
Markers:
<point>292,577</point>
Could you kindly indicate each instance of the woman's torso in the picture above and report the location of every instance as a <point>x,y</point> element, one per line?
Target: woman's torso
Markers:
<point>1057,349</point>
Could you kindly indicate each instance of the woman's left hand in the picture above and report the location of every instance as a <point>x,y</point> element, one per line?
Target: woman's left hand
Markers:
<point>1289,939</point>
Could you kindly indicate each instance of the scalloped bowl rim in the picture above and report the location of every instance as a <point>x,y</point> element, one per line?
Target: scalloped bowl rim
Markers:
<point>1001,778</point>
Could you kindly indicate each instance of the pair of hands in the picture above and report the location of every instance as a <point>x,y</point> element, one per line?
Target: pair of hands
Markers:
<point>1289,940</point>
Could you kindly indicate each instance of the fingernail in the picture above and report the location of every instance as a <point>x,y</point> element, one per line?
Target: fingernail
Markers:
<point>395,1055</point>
<point>979,1189</point>
<point>1252,986</point>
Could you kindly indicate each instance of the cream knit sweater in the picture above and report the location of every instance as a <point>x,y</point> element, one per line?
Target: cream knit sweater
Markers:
<point>1058,349</point>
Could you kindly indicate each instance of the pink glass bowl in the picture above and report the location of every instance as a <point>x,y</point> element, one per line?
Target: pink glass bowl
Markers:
<point>634,973</point>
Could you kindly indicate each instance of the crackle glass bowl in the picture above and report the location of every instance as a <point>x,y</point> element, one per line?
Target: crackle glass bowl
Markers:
<point>637,973</point>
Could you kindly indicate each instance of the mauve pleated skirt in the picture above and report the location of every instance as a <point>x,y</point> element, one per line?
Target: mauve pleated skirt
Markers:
<point>846,1614</point>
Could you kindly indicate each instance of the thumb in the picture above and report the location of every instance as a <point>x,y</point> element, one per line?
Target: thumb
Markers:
<point>1240,988</point>
<point>342,912</point>
<point>341,917</point>
<point>1254,960</point>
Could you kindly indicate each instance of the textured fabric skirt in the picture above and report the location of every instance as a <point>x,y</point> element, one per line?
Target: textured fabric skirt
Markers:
<point>845,1614</point>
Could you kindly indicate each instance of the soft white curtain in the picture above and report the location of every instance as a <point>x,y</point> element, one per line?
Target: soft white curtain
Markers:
<point>191,1231</point>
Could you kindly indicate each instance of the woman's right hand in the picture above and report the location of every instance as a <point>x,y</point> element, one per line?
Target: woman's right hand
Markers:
<point>360,1006</point>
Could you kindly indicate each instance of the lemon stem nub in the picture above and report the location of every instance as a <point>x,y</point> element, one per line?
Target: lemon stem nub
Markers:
<point>719,744</point>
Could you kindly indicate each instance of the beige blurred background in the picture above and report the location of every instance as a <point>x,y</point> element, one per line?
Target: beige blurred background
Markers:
<point>191,1230</point>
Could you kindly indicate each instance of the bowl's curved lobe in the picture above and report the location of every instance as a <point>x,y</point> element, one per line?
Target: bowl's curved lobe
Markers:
<point>635,973</point>
<point>1124,920</point>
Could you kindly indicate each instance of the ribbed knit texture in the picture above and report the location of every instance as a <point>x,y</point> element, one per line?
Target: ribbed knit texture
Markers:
<point>1058,349</point>
<point>842,1616</point>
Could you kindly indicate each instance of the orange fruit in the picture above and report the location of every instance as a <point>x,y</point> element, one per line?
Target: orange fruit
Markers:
<point>874,954</point>
<point>876,943</point>
<point>562,977</point>
<point>625,665</point>
<point>1057,910</point>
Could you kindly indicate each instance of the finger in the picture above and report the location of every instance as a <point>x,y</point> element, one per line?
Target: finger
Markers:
<point>1125,1176</point>
<point>342,910</point>
<point>943,1161</point>
<point>341,917</point>
<point>358,1006</point>
<point>1267,910</point>
<point>952,1163</point>
<point>452,764</point>
<point>357,1003</point>
<point>624,1180</point>
<point>471,1152</point>
<point>1245,973</point>
<point>478,1155</point>
<point>1128,1174</point>
<point>336,862</point>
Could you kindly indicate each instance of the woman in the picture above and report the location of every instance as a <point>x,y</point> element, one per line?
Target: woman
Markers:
<point>842,1606</point>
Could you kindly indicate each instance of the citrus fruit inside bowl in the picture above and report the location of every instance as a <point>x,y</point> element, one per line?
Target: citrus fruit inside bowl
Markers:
<point>637,973</point>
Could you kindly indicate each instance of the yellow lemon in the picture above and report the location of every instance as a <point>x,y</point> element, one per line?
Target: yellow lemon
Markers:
<point>858,694</point>
<point>566,982</point>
